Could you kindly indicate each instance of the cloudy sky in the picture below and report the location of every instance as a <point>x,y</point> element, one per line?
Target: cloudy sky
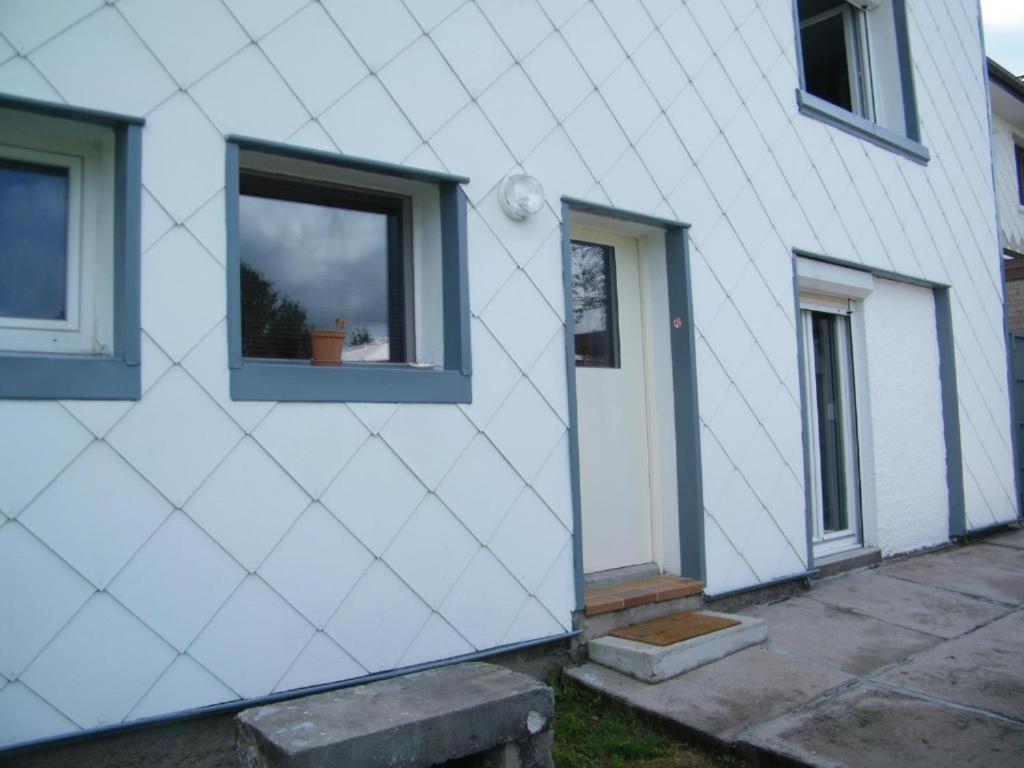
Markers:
<point>1004,32</point>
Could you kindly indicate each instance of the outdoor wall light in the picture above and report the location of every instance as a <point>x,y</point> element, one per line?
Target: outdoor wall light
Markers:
<point>521,196</point>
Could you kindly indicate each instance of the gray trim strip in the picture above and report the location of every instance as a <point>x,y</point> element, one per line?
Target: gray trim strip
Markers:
<point>762,585</point>
<point>81,114</point>
<point>346,161</point>
<point>455,279</point>
<point>950,413</point>
<point>233,257</point>
<point>351,382</point>
<point>599,209</point>
<point>574,434</point>
<point>238,705</point>
<point>128,245</point>
<point>42,377</point>
<point>882,273</point>
<point>805,426</point>
<point>906,64</point>
<point>855,125</point>
<point>689,475</point>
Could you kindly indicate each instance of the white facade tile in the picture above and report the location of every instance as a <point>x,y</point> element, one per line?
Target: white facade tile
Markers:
<point>663,155</point>
<point>246,96</point>
<point>312,441</point>
<point>27,27</point>
<point>687,41</point>
<point>468,145</point>
<point>259,17</point>
<point>521,320</point>
<point>532,621</point>
<point>383,132</point>
<point>247,504</point>
<point>175,436</point>
<point>99,665</point>
<point>489,263</point>
<point>525,429</point>
<point>739,65</point>
<point>253,639</point>
<point>96,527</point>
<point>375,637</point>
<point>185,685</point>
<point>430,459</point>
<point>630,99</point>
<point>552,482</point>
<point>484,602</point>
<point>554,71</point>
<point>40,439</point>
<point>430,13</point>
<point>714,22</point>
<point>545,272</point>
<point>374,479</point>
<point>560,169</point>
<point>692,121</point>
<point>596,135</point>
<point>480,488</point>
<point>660,69</point>
<point>313,136</point>
<point>321,660</point>
<point>40,594</point>
<point>25,716</point>
<point>629,184</point>
<point>177,581</point>
<point>178,272</point>
<point>517,112</point>
<point>436,639</point>
<point>629,21</point>
<point>101,63</point>
<point>154,220</point>
<point>431,551</point>
<point>494,375</point>
<point>373,415</point>
<point>312,55</point>
<point>529,539</point>
<point>548,375</point>
<point>378,32</point>
<point>593,43</point>
<point>19,77</point>
<point>472,47</point>
<point>212,34</point>
<point>155,362</point>
<point>98,416</point>
<point>556,592</point>
<point>424,86</point>
<point>718,92</point>
<point>315,565</point>
<point>522,25</point>
<point>520,238</point>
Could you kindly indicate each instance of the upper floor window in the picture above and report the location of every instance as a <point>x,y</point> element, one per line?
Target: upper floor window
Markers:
<point>1018,153</point>
<point>69,252</point>
<point>855,70</point>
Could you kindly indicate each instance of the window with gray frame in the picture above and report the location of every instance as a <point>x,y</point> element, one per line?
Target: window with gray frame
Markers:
<point>347,279</point>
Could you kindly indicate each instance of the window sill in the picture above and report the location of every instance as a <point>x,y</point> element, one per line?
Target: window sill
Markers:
<point>350,382</point>
<point>67,377</point>
<point>812,106</point>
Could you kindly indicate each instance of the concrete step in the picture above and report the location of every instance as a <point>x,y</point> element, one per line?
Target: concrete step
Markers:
<point>652,663</point>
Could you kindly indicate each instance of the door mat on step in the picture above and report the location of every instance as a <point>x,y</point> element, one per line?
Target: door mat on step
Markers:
<point>674,629</point>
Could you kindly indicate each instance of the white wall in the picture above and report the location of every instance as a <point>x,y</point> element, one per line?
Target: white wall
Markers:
<point>909,453</point>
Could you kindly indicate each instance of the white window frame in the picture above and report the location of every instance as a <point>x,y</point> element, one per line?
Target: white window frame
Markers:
<point>858,58</point>
<point>87,153</point>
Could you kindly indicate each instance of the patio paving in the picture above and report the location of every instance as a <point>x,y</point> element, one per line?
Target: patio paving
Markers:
<point>918,662</point>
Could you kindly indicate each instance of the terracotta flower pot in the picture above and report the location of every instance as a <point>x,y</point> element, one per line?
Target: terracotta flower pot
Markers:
<point>327,346</point>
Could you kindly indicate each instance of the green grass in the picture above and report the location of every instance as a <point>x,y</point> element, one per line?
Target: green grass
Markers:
<point>591,732</point>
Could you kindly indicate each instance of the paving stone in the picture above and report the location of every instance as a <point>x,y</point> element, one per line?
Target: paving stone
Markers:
<point>841,639</point>
<point>724,698</point>
<point>1013,539</point>
<point>868,726</point>
<point>915,606</point>
<point>977,670</point>
<point>1001,576</point>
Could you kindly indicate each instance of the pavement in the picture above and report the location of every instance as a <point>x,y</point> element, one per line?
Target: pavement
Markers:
<point>917,662</point>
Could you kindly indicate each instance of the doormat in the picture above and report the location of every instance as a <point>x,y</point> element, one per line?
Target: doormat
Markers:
<point>675,629</point>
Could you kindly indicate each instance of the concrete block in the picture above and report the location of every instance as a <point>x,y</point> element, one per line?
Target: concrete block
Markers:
<point>477,713</point>
<point>656,663</point>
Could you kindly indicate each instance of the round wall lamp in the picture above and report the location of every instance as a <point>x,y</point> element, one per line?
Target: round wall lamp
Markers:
<point>521,196</point>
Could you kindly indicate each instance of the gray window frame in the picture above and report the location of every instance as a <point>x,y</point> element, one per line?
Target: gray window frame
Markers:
<point>266,380</point>
<point>908,144</point>
<point>94,377</point>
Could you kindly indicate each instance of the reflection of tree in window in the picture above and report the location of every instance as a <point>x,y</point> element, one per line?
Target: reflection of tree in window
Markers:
<point>273,325</point>
<point>592,296</point>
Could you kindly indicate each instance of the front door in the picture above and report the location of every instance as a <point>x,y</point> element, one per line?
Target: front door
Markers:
<point>832,433</point>
<point>612,401</point>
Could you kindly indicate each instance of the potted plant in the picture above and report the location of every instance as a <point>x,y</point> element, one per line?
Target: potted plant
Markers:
<point>327,345</point>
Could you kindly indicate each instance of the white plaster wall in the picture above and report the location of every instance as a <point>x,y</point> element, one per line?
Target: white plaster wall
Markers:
<point>1011,212</point>
<point>911,505</point>
<point>159,555</point>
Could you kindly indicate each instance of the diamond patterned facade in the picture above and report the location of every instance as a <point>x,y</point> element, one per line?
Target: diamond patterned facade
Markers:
<point>181,538</point>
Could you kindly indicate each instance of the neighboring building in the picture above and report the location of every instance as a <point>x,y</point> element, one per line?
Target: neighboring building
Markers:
<point>1007,94</point>
<point>191,513</point>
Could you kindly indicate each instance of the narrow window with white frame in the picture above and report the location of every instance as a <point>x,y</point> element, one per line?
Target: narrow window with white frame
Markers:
<point>832,425</point>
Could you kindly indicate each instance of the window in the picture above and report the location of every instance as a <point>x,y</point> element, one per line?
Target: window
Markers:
<point>347,279</point>
<point>1018,153</point>
<point>69,252</point>
<point>855,70</point>
<point>593,305</point>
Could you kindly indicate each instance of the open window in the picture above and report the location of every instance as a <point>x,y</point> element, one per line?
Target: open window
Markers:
<point>1018,154</point>
<point>347,279</point>
<point>69,252</point>
<point>855,70</point>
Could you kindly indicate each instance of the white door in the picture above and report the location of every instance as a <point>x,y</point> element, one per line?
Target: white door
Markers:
<point>611,397</point>
<point>832,433</point>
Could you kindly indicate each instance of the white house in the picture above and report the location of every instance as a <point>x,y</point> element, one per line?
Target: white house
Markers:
<point>604,266</point>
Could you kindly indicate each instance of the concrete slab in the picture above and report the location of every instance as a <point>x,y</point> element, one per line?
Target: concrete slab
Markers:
<point>907,604</point>
<point>843,640</point>
<point>869,726</point>
<point>1013,538</point>
<point>720,699</point>
<point>971,670</point>
<point>993,572</point>
<point>657,663</point>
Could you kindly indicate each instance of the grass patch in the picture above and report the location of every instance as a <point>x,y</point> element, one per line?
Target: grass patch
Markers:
<point>591,732</point>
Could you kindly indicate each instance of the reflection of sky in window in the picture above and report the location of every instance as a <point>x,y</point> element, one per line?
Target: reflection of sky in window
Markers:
<point>33,241</point>
<point>332,261</point>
